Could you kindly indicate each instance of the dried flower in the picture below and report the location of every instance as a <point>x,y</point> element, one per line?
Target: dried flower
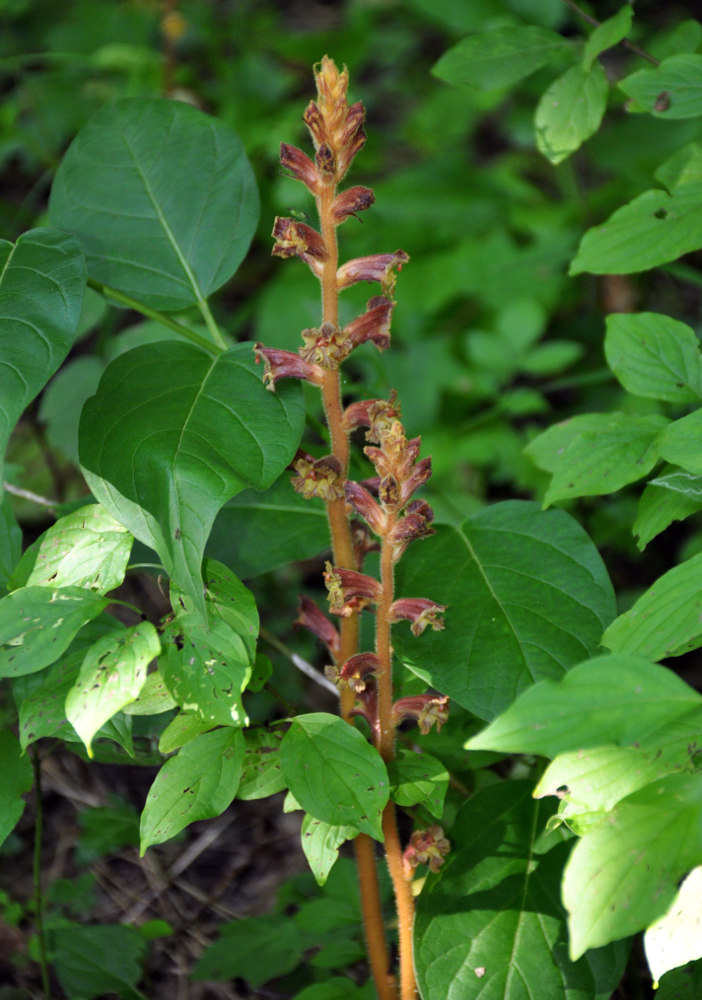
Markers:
<point>364,504</point>
<point>427,709</point>
<point>295,239</point>
<point>377,267</point>
<point>286,364</point>
<point>373,325</point>
<point>355,673</point>
<point>318,477</point>
<point>420,611</point>
<point>375,414</point>
<point>300,166</point>
<point>350,201</point>
<point>312,618</point>
<point>349,590</point>
<point>426,847</point>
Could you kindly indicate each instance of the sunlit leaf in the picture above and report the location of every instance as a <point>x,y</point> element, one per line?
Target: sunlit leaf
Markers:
<point>570,111</point>
<point>674,940</point>
<point>321,842</point>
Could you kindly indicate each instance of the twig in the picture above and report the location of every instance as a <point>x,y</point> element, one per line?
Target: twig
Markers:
<point>625,41</point>
<point>38,895</point>
<point>302,665</point>
<point>17,491</point>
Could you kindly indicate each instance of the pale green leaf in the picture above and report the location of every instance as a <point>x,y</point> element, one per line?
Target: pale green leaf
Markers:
<point>607,34</point>
<point>680,442</point>
<point>261,773</point>
<point>501,57</point>
<point>671,90</point>
<point>321,842</point>
<point>152,699</point>
<point>675,939</point>
<point>570,111</point>
<point>418,779</point>
<point>198,783</point>
<point>334,774</point>
<point>683,167</point>
<point>183,728</point>
<point>654,356</point>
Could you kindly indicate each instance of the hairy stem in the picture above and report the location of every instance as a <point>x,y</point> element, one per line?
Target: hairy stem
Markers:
<point>404,902</point>
<point>38,894</point>
<point>378,956</point>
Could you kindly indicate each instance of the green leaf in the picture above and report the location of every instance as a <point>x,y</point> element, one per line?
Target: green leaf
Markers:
<point>180,209</point>
<point>87,548</point>
<point>680,442</point>
<point>10,541</point>
<point>681,984</point>
<point>418,779</point>
<point>334,774</point>
<point>337,989</point>
<point>653,229</point>
<point>570,111</point>
<point>668,498</point>
<point>261,773</point>
<point>683,167</point>
<point>503,577</point>
<point>601,455</point>
<point>198,783</point>
<point>623,875</point>
<point>38,623</point>
<point>16,778</point>
<point>654,356</point>
<point>255,533</point>
<point>172,434</point>
<point>671,90</point>
<point>230,602</point>
<point>152,699</point>
<point>501,57</point>
<point>607,34</point>
<point>491,925</point>
<point>674,939</point>
<point>92,961</point>
<point>111,676</point>
<point>241,945</point>
<point>665,621</point>
<point>42,280</point>
<point>321,842</point>
<point>622,700</point>
<point>550,358</point>
<point>182,729</point>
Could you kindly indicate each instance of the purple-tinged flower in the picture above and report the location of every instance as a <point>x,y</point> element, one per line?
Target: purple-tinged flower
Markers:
<point>419,476</point>
<point>377,267</point>
<point>326,346</point>
<point>351,201</point>
<point>286,364</point>
<point>295,239</point>
<point>375,414</point>
<point>350,590</point>
<point>355,673</point>
<point>373,325</point>
<point>300,166</point>
<point>420,611</point>
<point>426,847</point>
<point>312,618</point>
<point>427,709</point>
<point>408,529</point>
<point>364,504</point>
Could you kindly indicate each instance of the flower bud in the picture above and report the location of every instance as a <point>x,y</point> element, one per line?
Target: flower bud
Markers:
<point>427,709</point>
<point>364,504</point>
<point>420,611</point>
<point>300,166</point>
<point>286,364</point>
<point>309,616</point>
<point>373,325</point>
<point>377,267</point>
<point>426,847</point>
<point>354,199</point>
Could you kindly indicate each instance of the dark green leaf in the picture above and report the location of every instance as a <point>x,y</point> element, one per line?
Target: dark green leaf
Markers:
<point>42,280</point>
<point>653,229</point>
<point>243,944</point>
<point>668,498</point>
<point>177,216</point>
<point>570,111</point>
<point>500,57</point>
<point>10,541</point>
<point>92,961</point>
<point>491,926</point>
<point>16,778</point>
<point>525,589</point>
<point>198,783</point>
<point>654,356</point>
<point>679,443</point>
<point>172,434</point>
<point>418,779</point>
<point>334,774</point>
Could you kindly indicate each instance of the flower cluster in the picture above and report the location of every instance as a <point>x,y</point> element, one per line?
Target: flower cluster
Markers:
<point>426,847</point>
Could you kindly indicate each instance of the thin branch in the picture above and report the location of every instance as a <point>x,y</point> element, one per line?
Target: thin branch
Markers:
<point>302,665</point>
<point>625,41</point>
<point>38,893</point>
<point>17,491</point>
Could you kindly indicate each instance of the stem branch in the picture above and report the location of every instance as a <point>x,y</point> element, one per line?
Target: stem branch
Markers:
<point>38,894</point>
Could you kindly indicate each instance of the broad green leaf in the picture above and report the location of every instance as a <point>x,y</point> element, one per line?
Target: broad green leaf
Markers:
<point>668,498</point>
<point>42,280</point>
<point>261,773</point>
<point>546,449</point>
<point>230,602</point>
<point>501,57</point>
<point>182,729</point>
<point>152,699</point>
<point>525,590</point>
<point>604,456</point>
<point>570,111</point>
<point>654,356</point>
<point>257,532</point>
<point>680,442</point>
<point>674,939</point>
<point>200,782</point>
<point>172,434</point>
<point>622,700</point>
<point>10,541</point>
<point>683,167</point>
<point>321,842</point>
<point>63,399</point>
<point>206,667</point>
<point>334,774</point>
<point>87,548</point>
<point>665,621</point>
<point>491,925</point>
<point>623,874</point>
<point>337,989</point>
<point>92,961</point>
<point>111,676</point>
<point>256,949</point>
<point>653,229</point>
<point>607,34</point>
<point>16,778</point>
<point>681,984</point>
<point>38,623</point>
<point>418,779</point>
<point>671,90</point>
<point>180,209</point>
